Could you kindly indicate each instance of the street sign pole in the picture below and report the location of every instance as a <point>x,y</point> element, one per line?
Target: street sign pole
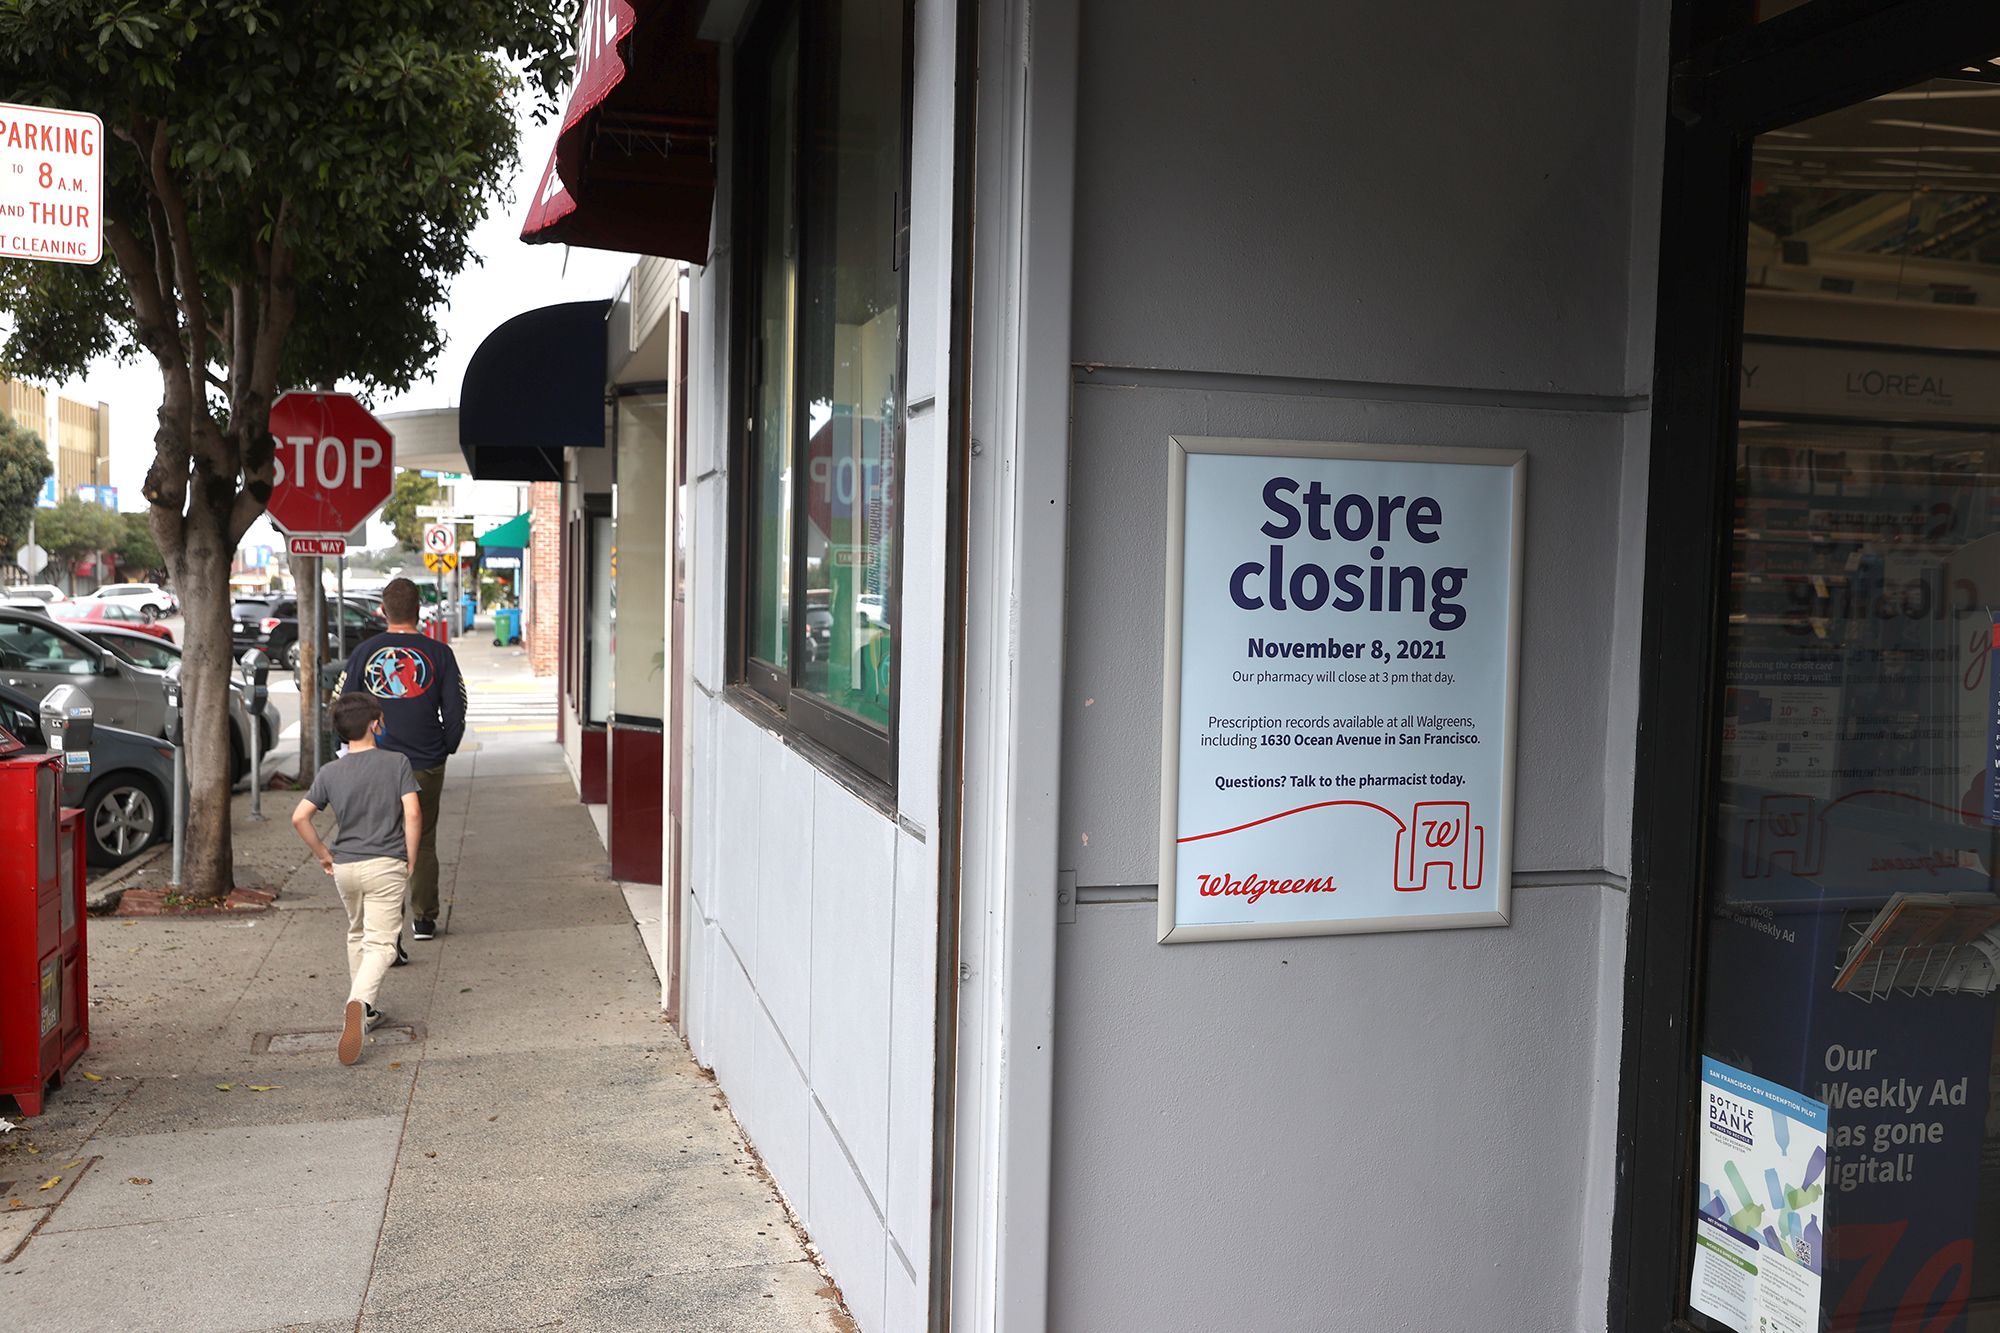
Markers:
<point>340,607</point>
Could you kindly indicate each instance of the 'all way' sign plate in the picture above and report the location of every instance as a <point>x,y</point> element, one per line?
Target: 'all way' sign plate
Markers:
<point>51,184</point>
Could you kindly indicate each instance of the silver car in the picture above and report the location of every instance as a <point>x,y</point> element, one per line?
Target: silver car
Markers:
<point>38,654</point>
<point>154,655</point>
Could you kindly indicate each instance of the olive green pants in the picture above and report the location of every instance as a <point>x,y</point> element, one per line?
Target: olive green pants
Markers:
<point>424,875</point>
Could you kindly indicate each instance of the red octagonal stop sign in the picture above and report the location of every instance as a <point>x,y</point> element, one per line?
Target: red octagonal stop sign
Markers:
<point>336,463</point>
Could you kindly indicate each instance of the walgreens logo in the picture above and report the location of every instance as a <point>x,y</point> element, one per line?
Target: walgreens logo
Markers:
<point>1252,886</point>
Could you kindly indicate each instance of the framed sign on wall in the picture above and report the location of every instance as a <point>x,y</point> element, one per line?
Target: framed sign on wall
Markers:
<point>1337,735</point>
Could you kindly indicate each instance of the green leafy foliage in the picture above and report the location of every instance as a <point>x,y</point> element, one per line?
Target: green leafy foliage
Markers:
<point>399,511</point>
<point>74,531</point>
<point>24,466</point>
<point>138,554</point>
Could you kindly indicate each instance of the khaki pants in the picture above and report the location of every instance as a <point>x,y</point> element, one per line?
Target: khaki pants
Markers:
<point>424,874</point>
<point>372,892</point>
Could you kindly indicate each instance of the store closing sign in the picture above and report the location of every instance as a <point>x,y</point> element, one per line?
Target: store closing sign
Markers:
<point>1342,631</point>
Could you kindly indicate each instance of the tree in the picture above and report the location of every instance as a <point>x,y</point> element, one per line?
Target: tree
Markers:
<point>74,532</point>
<point>24,466</point>
<point>399,511</point>
<point>288,190</point>
<point>138,553</point>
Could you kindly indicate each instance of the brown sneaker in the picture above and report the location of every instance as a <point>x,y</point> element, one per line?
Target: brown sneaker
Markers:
<point>351,1028</point>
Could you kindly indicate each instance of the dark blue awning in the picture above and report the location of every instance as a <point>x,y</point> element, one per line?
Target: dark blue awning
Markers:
<point>534,388</point>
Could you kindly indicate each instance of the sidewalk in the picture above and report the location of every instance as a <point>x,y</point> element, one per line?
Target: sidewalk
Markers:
<point>527,1145</point>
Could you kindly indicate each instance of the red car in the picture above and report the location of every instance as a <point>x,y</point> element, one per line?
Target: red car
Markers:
<point>110,613</point>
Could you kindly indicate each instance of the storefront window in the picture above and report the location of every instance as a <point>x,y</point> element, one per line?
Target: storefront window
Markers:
<point>1848,1133</point>
<point>852,341</point>
<point>777,332</point>
<point>820,541</point>
<point>644,464</point>
<point>598,649</point>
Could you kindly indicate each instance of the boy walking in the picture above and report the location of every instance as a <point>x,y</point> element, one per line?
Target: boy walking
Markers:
<point>416,681</point>
<point>374,797</point>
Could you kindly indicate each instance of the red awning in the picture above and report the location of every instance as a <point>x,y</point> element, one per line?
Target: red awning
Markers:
<point>633,167</point>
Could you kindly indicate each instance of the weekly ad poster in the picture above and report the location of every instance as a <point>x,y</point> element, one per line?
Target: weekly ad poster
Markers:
<point>1338,748</point>
<point>1760,1218</point>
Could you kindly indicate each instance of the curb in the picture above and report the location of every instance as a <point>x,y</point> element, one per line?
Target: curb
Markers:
<point>103,896</point>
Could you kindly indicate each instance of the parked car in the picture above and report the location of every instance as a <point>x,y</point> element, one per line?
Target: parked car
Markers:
<point>149,654</point>
<point>272,623</point>
<point>46,593</point>
<point>110,613</point>
<point>123,796</point>
<point>37,654</point>
<point>149,599</point>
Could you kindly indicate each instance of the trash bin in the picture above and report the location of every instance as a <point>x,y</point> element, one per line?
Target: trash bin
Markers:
<point>506,625</point>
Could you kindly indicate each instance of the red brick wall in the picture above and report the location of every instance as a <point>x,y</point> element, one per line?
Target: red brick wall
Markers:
<point>544,628</point>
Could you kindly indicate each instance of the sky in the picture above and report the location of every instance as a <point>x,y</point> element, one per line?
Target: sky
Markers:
<point>512,277</point>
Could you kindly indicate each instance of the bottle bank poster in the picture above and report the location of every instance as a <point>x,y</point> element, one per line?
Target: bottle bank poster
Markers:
<point>1337,748</point>
<point>1760,1206</point>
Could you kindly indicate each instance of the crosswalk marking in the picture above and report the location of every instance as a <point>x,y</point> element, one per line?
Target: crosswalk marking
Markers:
<point>511,706</point>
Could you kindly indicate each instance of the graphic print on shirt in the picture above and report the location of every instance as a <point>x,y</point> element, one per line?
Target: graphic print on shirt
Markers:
<point>397,673</point>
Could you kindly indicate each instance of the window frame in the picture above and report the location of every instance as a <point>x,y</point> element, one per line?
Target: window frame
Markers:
<point>779,699</point>
<point>1729,82</point>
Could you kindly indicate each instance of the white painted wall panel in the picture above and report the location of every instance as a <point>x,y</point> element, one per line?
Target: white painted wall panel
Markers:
<point>912,1051</point>
<point>854,889</point>
<point>732,1050</point>
<point>739,829</point>
<point>784,1112</point>
<point>698,1019</point>
<point>709,550</point>
<point>785,895</point>
<point>702,831</point>
<point>906,1302</point>
<point>847,1227</point>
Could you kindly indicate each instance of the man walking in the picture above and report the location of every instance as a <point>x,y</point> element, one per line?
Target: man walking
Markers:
<point>374,798</point>
<point>416,682</point>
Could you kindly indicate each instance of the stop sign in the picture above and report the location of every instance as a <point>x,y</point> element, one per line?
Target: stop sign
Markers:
<point>336,463</point>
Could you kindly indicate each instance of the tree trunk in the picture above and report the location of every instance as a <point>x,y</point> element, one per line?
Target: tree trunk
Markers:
<point>201,576</point>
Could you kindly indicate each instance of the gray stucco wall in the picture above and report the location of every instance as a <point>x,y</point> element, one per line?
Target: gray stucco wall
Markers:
<point>1418,223</point>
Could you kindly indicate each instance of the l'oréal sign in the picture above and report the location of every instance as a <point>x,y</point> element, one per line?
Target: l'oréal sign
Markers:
<point>1872,383</point>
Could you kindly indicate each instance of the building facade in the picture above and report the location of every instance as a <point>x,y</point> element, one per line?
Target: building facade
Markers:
<point>912,543</point>
<point>78,436</point>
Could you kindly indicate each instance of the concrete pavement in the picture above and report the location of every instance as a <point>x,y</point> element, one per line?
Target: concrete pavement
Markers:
<point>528,1145</point>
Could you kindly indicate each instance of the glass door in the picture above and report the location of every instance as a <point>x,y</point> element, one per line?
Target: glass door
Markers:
<point>1844,1166</point>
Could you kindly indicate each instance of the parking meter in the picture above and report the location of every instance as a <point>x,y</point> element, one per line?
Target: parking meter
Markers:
<point>256,669</point>
<point>68,722</point>
<point>173,690</point>
<point>174,738</point>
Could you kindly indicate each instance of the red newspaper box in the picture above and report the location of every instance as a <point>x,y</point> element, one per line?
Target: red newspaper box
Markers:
<point>44,986</point>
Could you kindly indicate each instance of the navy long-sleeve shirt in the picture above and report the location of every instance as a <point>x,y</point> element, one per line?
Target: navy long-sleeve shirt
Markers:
<point>416,681</point>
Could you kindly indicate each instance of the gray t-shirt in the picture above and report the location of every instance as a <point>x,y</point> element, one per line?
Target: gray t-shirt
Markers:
<point>366,790</point>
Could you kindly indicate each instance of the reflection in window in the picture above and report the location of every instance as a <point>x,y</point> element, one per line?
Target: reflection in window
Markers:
<point>826,398</point>
<point>1853,946</point>
<point>849,358</point>
<point>777,288</point>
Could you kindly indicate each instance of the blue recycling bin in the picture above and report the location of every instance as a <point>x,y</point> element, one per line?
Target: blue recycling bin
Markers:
<point>470,605</point>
